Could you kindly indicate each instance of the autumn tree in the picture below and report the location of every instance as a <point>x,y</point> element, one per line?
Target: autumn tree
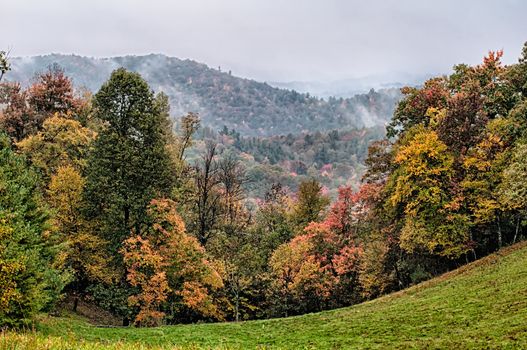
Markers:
<point>17,118</point>
<point>513,190</point>
<point>484,166</point>
<point>310,204</point>
<point>375,277</point>
<point>421,188</point>
<point>52,92</point>
<point>146,271</point>
<point>84,253</point>
<point>170,269</point>
<point>412,109</point>
<point>298,278</point>
<point>346,213</point>
<point>27,109</point>
<point>61,142</point>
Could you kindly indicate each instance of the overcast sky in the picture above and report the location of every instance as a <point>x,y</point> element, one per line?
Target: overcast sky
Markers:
<point>273,40</point>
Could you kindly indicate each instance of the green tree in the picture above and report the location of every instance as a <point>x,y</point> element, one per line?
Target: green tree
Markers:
<point>130,164</point>
<point>310,204</point>
<point>128,167</point>
<point>29,279</point>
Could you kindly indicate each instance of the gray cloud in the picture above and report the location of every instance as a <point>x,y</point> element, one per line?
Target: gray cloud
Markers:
<point>274,39</point>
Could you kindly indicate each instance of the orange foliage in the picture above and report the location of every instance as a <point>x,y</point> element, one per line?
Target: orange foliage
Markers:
<point>145,270</point>
<point>166,262</point>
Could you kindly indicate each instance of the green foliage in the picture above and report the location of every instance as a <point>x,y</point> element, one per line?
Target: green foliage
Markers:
<point>29,272</point>
<point>129,165</point>
<point>335,158</point>
<point>310,204</point>
<point>272,223</point>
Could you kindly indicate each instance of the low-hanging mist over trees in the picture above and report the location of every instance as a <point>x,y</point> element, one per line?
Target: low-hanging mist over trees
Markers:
<point>222,99</point>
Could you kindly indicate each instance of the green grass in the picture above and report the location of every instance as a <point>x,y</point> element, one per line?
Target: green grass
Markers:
<point>481,305</point>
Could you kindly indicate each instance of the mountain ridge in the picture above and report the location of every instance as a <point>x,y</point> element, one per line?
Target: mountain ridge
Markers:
<point>252,108</point>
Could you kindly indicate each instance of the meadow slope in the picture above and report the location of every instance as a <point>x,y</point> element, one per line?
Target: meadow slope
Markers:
<point>481,305</point>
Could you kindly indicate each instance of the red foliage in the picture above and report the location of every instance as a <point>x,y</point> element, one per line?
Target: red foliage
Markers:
<point>26,110</point>
<point>53,93</point>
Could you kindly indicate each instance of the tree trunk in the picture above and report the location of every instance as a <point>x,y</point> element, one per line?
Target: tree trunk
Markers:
<point>500,238</point>
<point>286,304</point>
<point>237,308</point>
<point>472,249</point>
<point>517,230</point>
<point>75,303</point>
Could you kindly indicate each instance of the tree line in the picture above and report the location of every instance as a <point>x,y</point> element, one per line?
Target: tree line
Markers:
<point>98,202</point>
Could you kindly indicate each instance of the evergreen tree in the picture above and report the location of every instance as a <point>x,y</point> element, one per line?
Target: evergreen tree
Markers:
<point>29,279</point>
<point>129,165</point>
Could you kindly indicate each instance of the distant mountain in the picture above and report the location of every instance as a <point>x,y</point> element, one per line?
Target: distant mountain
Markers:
<point>350,87</point>
<point>252,108</point>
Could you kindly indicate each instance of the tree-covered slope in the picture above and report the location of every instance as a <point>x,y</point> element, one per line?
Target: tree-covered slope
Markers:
<point>222,99</point>
<point>480,305</point>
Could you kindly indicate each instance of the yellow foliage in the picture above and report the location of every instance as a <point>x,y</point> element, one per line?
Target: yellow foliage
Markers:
<point>84,252</point>
<point>426,166</point>
<point>61,142</point>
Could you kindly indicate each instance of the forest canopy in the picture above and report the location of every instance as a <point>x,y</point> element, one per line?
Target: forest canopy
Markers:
<point>99,202</point>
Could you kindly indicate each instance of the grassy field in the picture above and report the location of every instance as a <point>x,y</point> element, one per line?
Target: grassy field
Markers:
<point>482,305</point>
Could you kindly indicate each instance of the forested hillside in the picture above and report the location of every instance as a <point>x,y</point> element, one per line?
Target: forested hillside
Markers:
<point>222,99</point>
<point>335,158</point>
<point>104,201</point>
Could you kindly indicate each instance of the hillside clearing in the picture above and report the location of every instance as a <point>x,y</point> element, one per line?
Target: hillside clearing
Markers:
<point>481,305</point>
